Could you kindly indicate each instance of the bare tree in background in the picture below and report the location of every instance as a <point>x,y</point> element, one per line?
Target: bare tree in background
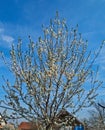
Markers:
<point>102,105</point>
<point>96,120</point>
<point>51,75</point>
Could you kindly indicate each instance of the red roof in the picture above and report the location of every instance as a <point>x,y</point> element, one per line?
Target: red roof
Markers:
<point>27,126</point>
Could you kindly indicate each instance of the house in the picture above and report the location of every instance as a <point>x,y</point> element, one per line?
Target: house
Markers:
<point>68,118</point>
<point>64,121</point>
<point>27,126</point>
<point>2,122</point>
<point>8,127</point>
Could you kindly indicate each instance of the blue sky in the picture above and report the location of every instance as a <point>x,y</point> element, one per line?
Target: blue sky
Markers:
<point>20,18</point>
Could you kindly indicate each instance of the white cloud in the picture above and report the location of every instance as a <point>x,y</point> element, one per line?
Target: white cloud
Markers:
<point>7,38</point>
<point>1,30</point>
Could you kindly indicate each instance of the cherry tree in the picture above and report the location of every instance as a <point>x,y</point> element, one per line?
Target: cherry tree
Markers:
<point>53,74</point>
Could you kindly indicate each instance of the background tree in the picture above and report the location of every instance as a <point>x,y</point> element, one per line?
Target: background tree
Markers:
<point>51,75</point>
<point>102,105</point>
<point>96,120</point>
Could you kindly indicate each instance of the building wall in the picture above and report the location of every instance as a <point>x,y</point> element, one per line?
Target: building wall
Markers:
<point>67,128</point>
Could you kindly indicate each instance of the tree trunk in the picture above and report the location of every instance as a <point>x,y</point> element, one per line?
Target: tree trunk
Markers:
<point>48,127</point>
